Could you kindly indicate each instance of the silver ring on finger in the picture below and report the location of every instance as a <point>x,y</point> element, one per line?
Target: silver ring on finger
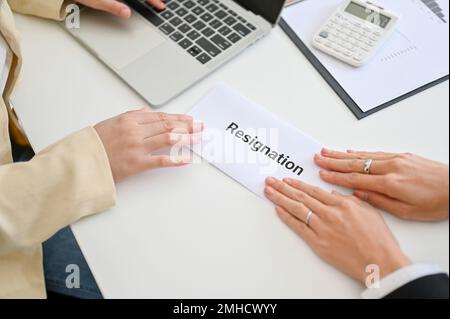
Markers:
<point>367,166</point>
<point>309,216</point>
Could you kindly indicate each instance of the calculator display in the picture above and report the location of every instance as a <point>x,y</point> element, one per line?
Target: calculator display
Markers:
<point>367,14</point>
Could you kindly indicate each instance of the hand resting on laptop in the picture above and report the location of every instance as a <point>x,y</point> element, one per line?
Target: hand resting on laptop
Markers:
<point>118,8</point>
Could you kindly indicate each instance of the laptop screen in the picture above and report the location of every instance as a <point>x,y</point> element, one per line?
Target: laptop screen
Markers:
<point>268,9</point>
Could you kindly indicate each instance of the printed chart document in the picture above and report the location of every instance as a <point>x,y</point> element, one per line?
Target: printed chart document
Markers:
<point>415,55</point>
<point>248,143</point>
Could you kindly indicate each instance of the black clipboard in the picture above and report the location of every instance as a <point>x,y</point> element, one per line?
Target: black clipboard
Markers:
<point>346,98</point>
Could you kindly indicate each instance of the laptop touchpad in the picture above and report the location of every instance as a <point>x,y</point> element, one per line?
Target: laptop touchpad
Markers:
<point>118,41</point>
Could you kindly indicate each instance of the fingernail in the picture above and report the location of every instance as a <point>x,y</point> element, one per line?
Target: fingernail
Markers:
<point>270,180</point>
<point>269,191</point>
<point>318,157</point>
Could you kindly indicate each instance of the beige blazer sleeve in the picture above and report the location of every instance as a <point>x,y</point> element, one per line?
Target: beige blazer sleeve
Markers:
<point>51,9</point>
<point>62,184</point>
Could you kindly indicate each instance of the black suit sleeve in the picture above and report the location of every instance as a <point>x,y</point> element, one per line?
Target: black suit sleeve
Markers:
<point>428,287</point>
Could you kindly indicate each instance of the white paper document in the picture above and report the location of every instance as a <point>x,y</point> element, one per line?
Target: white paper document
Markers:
<point>416,54</point>
<point>248,143</point>
<point>5,63</point>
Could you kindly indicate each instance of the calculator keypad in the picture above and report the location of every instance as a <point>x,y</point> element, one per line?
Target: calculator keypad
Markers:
<point>348,39</point>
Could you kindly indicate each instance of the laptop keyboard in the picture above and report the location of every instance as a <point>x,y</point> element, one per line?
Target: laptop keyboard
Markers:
<point>203,28</point>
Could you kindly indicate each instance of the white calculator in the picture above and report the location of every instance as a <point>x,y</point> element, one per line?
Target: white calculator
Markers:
<point>355,31</point>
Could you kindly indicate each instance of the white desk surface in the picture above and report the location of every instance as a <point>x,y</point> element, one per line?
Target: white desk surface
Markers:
<point>179,233</point>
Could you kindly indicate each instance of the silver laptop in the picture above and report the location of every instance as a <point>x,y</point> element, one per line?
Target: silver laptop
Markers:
<point>161,53</point>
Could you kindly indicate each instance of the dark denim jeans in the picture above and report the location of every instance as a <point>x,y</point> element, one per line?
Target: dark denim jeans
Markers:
<point>60,251</point>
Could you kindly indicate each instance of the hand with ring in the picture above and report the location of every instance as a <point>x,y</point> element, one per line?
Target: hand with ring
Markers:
<point>406,185</point>
<point>343,230</point>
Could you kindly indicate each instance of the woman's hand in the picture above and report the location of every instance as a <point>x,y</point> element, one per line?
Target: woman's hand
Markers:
<point>131,138</point>
<point>118,8</point>
<point>406,185</point>
<point>343,230</point>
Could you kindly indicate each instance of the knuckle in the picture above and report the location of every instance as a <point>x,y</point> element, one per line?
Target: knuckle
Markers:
<point>125,117</point>
<point>396,163</point>
<point>346,204</point>
<point>338,201</point>
<point>353,178</point>
<point>391,183</point>
<point>167,125</point>
<point>168,140</point>
<point>334,217</point>
<point>352,201</point>
<point>281,185</point>
<point>133,131</point>
<point>339,218</point>
<point>161,116</point>
<point>299,197</point>
<point>298,210</point>
<point>405,156</point>
<point>283,188</point>
<point>315,191</point>
<point>354,164</point>
<point>130,113</point>
<point>390,180</point>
